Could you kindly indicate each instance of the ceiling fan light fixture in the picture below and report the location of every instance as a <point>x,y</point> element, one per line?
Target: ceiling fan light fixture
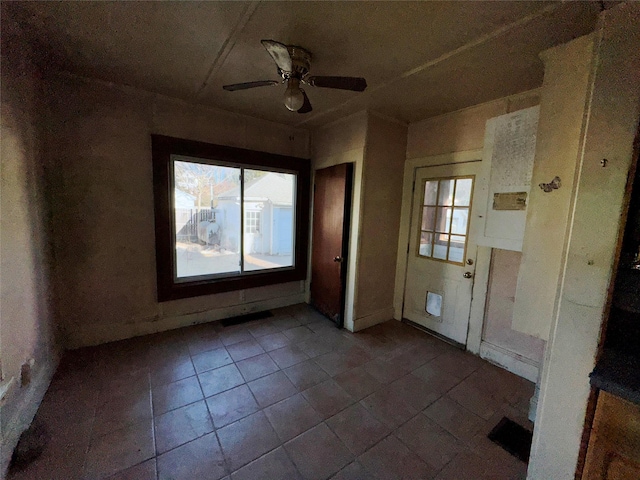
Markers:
<point>293,64</point>
<point>293,96</point>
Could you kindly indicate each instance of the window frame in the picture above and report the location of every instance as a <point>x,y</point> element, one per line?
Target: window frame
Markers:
<point>453,206</point>
<point>163,147</point>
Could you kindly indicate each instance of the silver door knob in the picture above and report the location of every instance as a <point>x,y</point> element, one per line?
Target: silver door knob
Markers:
<point>337,258</point>
<point>467,275</point>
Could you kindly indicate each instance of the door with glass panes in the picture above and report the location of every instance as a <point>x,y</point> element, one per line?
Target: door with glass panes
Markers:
<point>442,253</point>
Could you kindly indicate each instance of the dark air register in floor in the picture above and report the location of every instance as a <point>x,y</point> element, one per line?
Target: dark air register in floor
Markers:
<point>513,437</point>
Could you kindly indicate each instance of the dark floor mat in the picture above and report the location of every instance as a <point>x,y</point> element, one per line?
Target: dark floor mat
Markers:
<point>514,438</point>
<point>245,318</point>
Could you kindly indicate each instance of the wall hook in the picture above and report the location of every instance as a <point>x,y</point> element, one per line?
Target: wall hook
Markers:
<point>552,185</point>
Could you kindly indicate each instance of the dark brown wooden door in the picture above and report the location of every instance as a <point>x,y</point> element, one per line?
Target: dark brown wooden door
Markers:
<point>331,209</point>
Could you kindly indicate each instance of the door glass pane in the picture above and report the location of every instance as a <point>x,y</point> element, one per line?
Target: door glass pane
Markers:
<point>456,250</point>
<point>460,220</point>
<point>440,246</point>
<point>445,196</point>
<point>425,244</point>
<point>443,220</point>
<point>428,218</point>
<point>269,203</point>
<point>430,192</point>
<point>445,217</point>
<point>207,229</point>
<point>463,192</point>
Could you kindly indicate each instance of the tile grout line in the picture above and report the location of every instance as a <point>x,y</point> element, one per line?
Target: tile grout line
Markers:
<point>227,467</point>
<point>386,352</point>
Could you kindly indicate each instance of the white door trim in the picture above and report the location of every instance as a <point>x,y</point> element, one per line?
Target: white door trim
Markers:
<point>474,335</point>
<point>479,299</point>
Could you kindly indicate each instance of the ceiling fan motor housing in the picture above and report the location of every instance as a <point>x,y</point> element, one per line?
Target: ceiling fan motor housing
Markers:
<point>293,64</point>
<point>300,62</point>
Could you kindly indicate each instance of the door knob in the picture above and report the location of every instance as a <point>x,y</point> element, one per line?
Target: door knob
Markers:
<point>467,274</point>
<point>337,258</point>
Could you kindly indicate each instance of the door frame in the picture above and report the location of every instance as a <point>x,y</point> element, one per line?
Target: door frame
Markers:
<point>483,258</point>
<point>346,231</point>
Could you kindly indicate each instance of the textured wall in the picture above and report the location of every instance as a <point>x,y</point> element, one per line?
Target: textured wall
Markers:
<point>381,202</point>
<point>464,129</point>
<point>563,110</point>
<point>26,328</point>
<point>103,208</point>
<point>498,330</point>
<point>613,116</point>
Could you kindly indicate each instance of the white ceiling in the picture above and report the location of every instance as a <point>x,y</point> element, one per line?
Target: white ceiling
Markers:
<point>420,59</point>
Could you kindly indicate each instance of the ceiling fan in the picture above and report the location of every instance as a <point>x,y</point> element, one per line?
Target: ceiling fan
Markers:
<point>293,66</point>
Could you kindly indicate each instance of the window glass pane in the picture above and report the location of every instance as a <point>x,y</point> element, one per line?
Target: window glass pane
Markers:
<point>460,219</point>
<point>444,219</point>
<point>207,228</point>
<point>445,196</point>
<point>456,250</point>
<point>425,244</point>
<point>428,218</point>
<point>269,206</point>
<point>440,246</point>
<point>430,192</point>
<point>463,192</point>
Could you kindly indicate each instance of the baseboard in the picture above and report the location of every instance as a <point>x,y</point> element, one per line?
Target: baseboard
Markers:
<point>26,411</point>
<point>99,334</point>
<point>514,363</point>
<point>373,319</point>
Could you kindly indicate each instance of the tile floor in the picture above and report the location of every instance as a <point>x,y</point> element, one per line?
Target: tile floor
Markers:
<point>289,397</point>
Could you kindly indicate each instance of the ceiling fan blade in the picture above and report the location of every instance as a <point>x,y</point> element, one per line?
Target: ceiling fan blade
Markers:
<point>246,85</point>
<point>357,84</point>
<point>280,54</point>
<point>306,106</point>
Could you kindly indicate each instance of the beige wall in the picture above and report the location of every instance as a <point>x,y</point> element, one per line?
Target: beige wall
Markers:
<point>381,203</point>
<point>339,142</point>
<point>612,124</point>
<point>26,322</point>
<point>376,146</point>
<point>332,143</point>
<point>563,109</point>
<point>103,215</point>
<point>461,130</point>
<point>498,330</point>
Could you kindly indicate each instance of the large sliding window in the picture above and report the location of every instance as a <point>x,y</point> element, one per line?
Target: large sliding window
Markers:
<point>227,218</point>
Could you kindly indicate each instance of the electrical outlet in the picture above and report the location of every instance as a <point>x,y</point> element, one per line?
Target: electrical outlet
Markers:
<point>25,372</point>
<point>25,375</point>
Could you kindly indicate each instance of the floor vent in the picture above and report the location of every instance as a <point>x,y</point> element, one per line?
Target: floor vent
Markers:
<point>227,322</point>
<point>514,438</point>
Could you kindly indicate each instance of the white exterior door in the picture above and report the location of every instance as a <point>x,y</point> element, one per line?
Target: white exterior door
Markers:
<point>442,253</point>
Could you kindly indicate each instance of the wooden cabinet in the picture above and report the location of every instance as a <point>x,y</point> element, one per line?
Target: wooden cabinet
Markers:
<point>614,444</point>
